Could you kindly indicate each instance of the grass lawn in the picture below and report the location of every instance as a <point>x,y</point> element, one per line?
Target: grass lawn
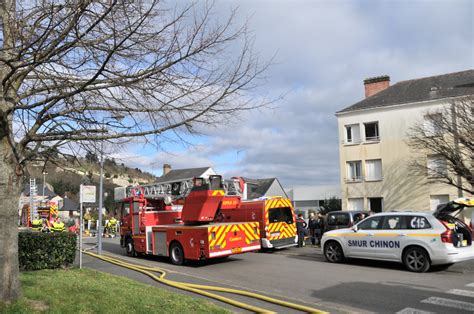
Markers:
<point>89,291</point>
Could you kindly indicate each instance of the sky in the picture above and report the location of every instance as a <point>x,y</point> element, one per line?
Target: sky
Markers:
<point>322,51</point>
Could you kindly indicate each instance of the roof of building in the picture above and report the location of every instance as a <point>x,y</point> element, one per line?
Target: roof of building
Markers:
<point>182,174</point>
<point>259,187</point>
<point>69,204</point>
<point>422,89</point>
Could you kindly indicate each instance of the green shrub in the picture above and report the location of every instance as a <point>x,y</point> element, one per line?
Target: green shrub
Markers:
<point>38,250</point>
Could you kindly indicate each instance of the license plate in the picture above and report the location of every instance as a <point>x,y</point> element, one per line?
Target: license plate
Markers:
<point>464,243</point>
<point>237,250</point>
<point>275,234</point>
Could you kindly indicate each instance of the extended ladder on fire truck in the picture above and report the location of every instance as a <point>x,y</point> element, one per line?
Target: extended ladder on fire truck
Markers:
<point>173,189</point>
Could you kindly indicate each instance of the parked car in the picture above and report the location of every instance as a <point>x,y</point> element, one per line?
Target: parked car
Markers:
<point>416,239</point>
<point>343,219</point>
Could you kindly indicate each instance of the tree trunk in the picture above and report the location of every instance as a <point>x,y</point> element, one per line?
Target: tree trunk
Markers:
<point>10,189</point>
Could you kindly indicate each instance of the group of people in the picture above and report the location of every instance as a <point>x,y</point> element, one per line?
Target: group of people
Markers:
<point>44,225</point>
<point>314,228</point>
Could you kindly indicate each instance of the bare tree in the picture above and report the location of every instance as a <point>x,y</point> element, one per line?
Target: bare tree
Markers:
<point>76,72</point>
<point>446,135</point>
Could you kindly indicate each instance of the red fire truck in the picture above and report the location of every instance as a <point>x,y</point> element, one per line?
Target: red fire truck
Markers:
<point>177,219</point>
<point>46,211</point>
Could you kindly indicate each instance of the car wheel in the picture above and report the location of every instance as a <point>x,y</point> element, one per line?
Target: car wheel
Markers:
<point>129,248</point>
<point>416,260</point>
<point>176,254</point>
<point>333,252</point>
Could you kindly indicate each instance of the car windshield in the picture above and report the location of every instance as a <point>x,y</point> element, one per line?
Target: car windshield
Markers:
<point>281,214</point>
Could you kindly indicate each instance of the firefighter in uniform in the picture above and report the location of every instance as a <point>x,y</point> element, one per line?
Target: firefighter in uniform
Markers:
<point>58,225</point>
<point>111,227</point>
<point>300,229</point>
<point>36,224</point>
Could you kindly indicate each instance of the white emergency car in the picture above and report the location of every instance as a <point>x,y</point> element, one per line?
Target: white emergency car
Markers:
<point>416,239</point>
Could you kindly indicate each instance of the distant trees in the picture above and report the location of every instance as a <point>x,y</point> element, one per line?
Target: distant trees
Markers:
<point>331,204</point>
<point>61,187</point>
<point>444,140</point>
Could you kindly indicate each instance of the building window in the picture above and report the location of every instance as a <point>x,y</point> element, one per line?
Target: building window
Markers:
<point>355,204</point>
<point>373,170</point>
<point>437,166</point>
<point>352,134</point>
<point>372,132</point>
<point>436,200</point>
<point>375,204</point>
<point>433,124</point>
<point>354,171</point>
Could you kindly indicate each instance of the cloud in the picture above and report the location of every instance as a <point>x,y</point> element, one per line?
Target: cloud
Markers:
<point>324,50</point>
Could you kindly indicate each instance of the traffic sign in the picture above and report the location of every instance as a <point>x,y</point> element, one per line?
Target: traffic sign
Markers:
<point>88,194</point>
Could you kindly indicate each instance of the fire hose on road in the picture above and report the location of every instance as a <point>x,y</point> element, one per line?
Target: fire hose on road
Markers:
<point>200,289</point>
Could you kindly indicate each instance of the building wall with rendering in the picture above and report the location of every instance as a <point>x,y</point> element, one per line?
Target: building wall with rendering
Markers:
<point>398,185</point>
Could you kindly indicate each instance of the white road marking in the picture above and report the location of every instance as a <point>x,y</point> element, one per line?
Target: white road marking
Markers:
<point>410,310</point>
<point>466,306</point>
<point>465,293</point>
<point>470,285</point>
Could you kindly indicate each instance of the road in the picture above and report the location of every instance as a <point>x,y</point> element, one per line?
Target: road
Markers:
<point>303,276</point>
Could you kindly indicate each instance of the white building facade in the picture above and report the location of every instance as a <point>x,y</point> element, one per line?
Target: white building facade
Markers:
<point>375,158</point>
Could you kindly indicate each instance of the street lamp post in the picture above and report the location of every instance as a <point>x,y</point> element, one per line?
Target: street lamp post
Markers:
<point>101,186</point>
<point>101,200</point>
<point>44,181</point>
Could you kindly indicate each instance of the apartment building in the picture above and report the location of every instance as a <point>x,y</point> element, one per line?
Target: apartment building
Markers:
<point>375,157</point>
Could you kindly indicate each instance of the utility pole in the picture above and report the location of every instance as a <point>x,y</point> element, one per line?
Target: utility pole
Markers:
<point>44,181</point>
<point>101,185</point>
<point>81,222</point>
<point>101,201</point>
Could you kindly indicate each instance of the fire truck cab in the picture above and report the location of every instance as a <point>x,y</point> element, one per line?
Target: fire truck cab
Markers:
<point>275,216</point>
<point>177,220</point>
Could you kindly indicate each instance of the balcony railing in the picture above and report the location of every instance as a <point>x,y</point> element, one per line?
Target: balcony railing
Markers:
<point>368,140</point>
<point>353,141</point>
<point>372,139</point>
<point>354,179</point>
<point>362,179</point>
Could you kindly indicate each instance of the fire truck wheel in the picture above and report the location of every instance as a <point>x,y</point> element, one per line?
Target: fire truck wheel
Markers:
<point>129,248</point>
<point>176,253</point>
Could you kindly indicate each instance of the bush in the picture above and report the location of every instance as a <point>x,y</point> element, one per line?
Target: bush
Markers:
<point>38,250</point>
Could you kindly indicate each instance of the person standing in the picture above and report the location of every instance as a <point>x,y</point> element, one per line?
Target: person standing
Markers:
<point>312,225</point>
<point>58,225</point>
<point>318,232</point>
<point>300,229</point>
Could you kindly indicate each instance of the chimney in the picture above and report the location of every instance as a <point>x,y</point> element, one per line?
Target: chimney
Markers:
<point>166,169</point>
<point>377,84</point>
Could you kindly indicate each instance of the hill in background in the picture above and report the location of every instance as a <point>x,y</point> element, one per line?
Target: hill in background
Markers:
<point>65,177</point>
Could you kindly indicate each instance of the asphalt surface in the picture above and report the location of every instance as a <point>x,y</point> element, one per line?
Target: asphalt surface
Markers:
<point>303,276</point>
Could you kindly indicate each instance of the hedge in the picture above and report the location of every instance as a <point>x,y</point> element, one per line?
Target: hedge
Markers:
<point>38,250</point>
